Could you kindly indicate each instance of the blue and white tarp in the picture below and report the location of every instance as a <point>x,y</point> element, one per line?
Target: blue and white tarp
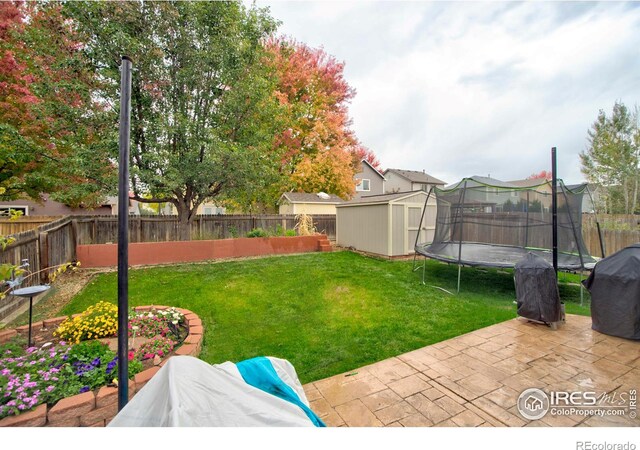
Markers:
<point>188,392</point>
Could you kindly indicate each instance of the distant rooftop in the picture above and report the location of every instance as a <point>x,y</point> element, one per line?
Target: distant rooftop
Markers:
<point>529,182</point>
<point>415,176</point>
<point>477,180</point>
<point>304,197</point>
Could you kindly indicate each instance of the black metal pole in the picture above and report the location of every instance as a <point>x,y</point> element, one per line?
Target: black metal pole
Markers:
<point>123,234</point>
<point>554,209</point>
<point>30,343</point>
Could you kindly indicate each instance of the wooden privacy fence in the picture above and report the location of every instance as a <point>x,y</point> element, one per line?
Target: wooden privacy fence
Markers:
<point>47,246</point>
<point>55,242</point>
<point>24,223</point>
<point>104,229</point>
<point>618,231</point>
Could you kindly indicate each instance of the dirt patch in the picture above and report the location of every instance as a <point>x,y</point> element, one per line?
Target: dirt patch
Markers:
<point>65,287</point>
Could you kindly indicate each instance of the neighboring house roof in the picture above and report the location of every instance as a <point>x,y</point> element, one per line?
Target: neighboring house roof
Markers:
<point>382,198</point>
<point>415,176</point>
<point>373,168</point>
<point>303,197</point>
<point>480,181</point>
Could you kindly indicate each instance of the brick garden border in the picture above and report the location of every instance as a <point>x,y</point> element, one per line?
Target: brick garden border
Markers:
<point>97,408</point>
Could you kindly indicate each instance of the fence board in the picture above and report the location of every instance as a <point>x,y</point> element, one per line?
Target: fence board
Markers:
<point>24,223</point>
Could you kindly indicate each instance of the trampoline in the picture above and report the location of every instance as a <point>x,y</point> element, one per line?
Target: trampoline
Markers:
<point>483,222</point>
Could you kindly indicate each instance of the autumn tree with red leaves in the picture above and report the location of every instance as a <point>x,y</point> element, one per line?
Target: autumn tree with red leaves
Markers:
<point>543,175</point>
<point>51,136</point>
<point>320,151</point>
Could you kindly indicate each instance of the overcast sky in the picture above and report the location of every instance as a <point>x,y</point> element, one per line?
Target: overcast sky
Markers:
<point>461,89</point>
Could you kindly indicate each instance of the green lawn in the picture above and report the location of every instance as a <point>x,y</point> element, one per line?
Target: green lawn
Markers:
<point>327,313</point>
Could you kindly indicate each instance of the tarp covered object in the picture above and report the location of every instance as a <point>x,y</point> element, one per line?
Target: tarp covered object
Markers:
<point>537,290</point>
<point>189,392</point>
<point>614,285</point>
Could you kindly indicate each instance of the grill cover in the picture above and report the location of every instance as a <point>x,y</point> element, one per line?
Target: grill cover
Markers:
<point>614,285</point>
<point>537,290</point>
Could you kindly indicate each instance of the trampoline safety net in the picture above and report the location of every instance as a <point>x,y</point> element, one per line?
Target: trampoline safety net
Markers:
<point>486,222</point>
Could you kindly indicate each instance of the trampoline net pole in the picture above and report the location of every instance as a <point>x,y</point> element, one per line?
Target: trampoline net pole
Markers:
<point>415,244</point>
<point>602,250</point>
<point>573,225</point>
<point>461,208</point>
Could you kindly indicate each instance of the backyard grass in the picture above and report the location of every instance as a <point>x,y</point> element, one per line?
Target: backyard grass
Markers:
<point>327,313</point>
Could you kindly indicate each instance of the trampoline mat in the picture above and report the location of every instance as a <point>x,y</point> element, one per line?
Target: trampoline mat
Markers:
<point>491,255</point>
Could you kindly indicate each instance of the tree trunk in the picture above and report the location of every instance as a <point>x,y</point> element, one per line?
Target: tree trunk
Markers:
<point>184,222</point>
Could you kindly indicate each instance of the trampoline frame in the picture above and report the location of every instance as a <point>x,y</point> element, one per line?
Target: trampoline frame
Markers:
<point>460,262</point>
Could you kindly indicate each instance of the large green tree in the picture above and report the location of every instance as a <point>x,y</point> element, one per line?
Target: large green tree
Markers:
<point>612,158</point>
<point>204,114</point>
<point>51,128</point>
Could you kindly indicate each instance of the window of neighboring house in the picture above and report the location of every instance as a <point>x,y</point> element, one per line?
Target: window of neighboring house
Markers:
<point>4,210</point>
<point>207,210</point>
<point>363,185</point>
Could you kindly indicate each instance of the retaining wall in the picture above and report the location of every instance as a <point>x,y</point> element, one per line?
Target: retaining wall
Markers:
<point>149,253</point>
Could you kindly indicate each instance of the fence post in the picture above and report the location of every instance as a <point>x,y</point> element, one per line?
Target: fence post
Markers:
<point>43,247</point>
<point>139,229</point>
<point>74,238</point>
<point>94,231</point>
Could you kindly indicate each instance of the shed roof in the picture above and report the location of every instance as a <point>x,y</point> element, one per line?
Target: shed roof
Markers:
<point>415,176</point>
<point>304,197</point>
<point>381,198</point>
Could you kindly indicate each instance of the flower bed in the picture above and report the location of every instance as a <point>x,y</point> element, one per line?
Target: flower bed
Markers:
<point>95,403</point>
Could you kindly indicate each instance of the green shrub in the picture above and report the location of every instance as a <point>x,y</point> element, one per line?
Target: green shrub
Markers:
<point>257,232</point>
<point>290,233</point>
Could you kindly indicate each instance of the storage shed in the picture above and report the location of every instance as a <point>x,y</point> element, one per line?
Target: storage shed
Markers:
<point>385,224</point>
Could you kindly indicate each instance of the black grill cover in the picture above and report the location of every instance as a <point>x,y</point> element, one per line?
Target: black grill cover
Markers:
<point>614,285</point>
<point>537,290</point>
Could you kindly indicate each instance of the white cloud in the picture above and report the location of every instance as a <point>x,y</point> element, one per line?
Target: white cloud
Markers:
<point>476,88</point>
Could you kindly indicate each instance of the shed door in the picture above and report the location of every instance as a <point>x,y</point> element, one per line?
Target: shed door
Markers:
<point>414,214</point>
<point>397,231</point>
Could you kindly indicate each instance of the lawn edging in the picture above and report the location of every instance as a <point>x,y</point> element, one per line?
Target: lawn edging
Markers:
<point>97,408</point>
<point>153,253</point>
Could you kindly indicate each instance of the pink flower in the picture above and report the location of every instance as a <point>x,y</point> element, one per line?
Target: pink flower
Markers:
<point>131,355</point>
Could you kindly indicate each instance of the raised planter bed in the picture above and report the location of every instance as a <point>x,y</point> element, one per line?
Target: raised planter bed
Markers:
<point>97,408</point>
<point>150,253</point>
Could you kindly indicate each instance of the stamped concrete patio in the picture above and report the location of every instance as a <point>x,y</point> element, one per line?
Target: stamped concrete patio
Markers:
<point>475,379</point>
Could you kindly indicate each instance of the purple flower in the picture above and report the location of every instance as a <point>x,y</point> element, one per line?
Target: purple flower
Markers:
<point>50,388</point>
<point>84,389</point>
